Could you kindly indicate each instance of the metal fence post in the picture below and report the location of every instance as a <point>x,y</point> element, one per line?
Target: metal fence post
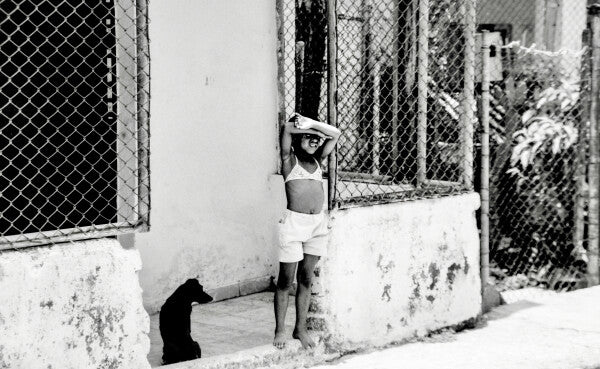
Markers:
<point>422,75</point>
<point>485,160</point>
<point>395,85</point>
<point>143,114</point>
<point>468,101</point>
<point>593,166</point>
<point>332,95</point>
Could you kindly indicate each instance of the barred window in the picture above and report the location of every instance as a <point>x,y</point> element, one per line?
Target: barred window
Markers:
<point>74,120</point>
<point>404,84</point>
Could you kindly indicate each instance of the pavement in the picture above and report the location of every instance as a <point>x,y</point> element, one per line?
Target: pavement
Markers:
<point>537,329</point>
<point>229,326</point>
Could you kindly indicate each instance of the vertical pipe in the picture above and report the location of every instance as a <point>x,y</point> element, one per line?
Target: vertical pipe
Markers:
<point>281,93</point>
<point>485,160</point>
<point>423,45</point>
<point>143,113</point>
<point>468,101</point>
<point>540,23</point>
<point>582,151</point>
<point>332,95</point>
<point>395,85</point>
<point>593,166</point>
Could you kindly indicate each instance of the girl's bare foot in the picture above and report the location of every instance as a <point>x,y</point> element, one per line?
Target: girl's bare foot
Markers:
<point>304,337</point>
<point>279,340</point>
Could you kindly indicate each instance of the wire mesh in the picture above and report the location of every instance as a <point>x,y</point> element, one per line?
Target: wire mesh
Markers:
<point>539,124</point>
<point>405,97</point>
<point>74,88</point>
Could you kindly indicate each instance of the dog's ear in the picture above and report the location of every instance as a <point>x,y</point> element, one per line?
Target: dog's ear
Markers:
<point>196,291</point>
<point>192,282</point>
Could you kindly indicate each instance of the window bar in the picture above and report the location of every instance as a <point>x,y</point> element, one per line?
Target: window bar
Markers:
<point>376,78</point>
<point>143,113</point>
<point>395,86</point>
<point>593,274</point>
<point>126,67</point>
<point>423,45</point>
<point>332,95</point>
<point>468,101</point>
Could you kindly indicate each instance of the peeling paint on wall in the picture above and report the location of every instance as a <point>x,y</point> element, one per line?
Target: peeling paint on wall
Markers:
<point>452,269</point>
<point>384,268</point>
<point>386,293</point>
<point>434,271</point>
<point>418,256</point>
<point>87,314</point>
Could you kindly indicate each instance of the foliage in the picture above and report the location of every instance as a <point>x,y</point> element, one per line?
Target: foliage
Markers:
<point>538,187</point>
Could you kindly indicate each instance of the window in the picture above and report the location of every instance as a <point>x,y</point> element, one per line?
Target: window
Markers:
<point>406,113</point>
<point>74,128</point>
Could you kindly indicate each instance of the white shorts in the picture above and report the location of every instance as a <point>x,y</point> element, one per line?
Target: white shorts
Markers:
<point>301,234</point>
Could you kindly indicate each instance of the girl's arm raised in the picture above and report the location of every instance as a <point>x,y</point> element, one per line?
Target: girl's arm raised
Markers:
<point>285,140</point>
<point>332,133</point>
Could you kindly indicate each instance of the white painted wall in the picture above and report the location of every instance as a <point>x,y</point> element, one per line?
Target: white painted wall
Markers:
<point>398,270</point>
<point>573,22</point>
<point>215,202</point>
<point>72,306</point>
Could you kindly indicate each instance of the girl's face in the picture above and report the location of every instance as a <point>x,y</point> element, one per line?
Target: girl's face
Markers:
<point>310,143</point>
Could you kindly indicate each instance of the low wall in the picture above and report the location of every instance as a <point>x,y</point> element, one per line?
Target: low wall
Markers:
<point>74,306</point>
<point>399,270</point>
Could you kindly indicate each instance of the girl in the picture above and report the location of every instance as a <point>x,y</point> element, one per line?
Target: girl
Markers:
<point>305,143</point>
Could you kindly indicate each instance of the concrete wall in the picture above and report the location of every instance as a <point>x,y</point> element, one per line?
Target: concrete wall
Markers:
<point>399,270</point>
<point>519,13</point>
<point>213,147</point>
<point>72,306</point>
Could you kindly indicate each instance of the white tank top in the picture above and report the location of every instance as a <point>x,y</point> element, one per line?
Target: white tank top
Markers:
<point>298,172</point>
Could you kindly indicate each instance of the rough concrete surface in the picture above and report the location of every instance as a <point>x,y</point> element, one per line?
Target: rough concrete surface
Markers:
<point>73,305</point>
<point>398,270</point>
<point>558,332</point>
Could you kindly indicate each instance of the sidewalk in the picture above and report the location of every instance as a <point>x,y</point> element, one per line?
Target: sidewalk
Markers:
<point>535,330</point>
<point>229,326</point>
<point>554,332</point>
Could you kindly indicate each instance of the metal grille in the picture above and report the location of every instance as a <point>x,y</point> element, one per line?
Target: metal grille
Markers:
<point>74,88</point>
<point>303,58</point>
<point>406,99</point>
<point>539,123</point>
<point>405,95</point>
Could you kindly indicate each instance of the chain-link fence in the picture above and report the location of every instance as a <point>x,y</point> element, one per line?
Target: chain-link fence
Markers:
<point>74,87</point>
<point>538,131</point>
<point>303,58</point>
<point>409,76</point>
<point>405,95</point>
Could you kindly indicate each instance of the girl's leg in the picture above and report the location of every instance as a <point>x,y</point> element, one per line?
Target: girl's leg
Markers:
<point>282,293</point>
<point>306,268</point>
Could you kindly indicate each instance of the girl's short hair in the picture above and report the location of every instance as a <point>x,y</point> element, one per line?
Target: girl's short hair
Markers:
<point>296,142</point>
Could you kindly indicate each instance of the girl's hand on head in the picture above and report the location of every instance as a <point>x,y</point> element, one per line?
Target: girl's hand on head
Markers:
<point>302,122</point>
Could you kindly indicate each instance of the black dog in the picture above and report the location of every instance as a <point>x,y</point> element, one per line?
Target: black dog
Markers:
<point>174,322</point>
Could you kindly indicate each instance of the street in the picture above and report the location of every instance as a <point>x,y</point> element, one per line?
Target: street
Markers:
<point>561,332</point>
